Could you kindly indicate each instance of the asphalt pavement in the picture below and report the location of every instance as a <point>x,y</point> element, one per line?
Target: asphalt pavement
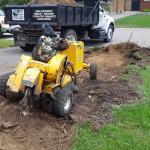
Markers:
<point>141,36</point>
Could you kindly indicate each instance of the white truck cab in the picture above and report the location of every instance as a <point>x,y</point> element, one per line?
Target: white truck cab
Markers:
<point>106,25</point>
<point>3,27</point>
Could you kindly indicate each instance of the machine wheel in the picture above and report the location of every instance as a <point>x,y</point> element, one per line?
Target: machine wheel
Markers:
<point>3,81</point>
<point>27,47</point>
<point>69,33</point>
<point>93,71</point>
<point>63,102</point>
<point>47,103</point>
<point>109,34</point>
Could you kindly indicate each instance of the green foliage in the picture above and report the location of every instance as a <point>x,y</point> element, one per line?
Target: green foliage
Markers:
<point>3,3</point>
<point>131,129</point>
<point>135,21</point>
<point>6,43</point>
<point>146,10</point>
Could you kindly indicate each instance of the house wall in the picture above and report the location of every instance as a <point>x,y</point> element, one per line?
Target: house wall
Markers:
<point>145,4</point>
<point>128,5</point>
<point>117,6</point>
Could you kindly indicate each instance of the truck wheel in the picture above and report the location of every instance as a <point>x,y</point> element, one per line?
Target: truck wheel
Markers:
<point>109,34</point>
<point>69,34</point>
<point>27,47</point>
<point>93,71</point>
<point>63,102</point>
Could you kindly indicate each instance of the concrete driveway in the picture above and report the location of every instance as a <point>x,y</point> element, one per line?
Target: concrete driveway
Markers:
<point>11,56</point>
<point>140,36</point>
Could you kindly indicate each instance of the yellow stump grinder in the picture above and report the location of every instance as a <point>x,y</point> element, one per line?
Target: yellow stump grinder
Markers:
<point>49,76</point>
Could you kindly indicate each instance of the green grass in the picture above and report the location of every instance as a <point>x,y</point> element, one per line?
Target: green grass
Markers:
<point>6,43</point>
<point>131,129</point>
<point>135,21</point>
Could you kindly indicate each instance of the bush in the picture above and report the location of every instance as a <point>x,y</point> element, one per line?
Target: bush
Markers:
<point>3,3</point>
<point>146,10</point>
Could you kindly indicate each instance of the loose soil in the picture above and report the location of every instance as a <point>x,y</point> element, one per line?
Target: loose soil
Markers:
<point>93,103</point>
<point>68,2</point>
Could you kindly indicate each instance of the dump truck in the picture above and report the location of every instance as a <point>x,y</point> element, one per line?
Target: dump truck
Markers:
<point>87,20</point>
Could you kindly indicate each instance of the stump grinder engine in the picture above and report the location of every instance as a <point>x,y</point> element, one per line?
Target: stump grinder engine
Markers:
<point>49,76</point>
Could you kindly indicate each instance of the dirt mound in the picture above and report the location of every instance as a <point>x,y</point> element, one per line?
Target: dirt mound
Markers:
<point>113,60</point>
<point>69,2</point>
<point>38,131</point>
<point>95,100</point>
<point>92,104</point>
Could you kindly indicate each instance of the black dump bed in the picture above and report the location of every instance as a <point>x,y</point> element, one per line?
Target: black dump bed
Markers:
<point>55,15</point>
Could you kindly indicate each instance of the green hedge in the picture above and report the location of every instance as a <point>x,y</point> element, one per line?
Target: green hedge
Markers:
<point>3,3</point>
<point>146,10</point>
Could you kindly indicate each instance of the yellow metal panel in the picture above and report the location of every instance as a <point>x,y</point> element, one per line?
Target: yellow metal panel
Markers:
<point>31,76</point>
<point>86,67</point>
<point>15,81</point>
<point>37,64</point>
<point>38,87</point>
<point>55,67</point>
<point>11,79</point>
<point>49,88</point>
<point>75,54</point>
<point>67,80</point>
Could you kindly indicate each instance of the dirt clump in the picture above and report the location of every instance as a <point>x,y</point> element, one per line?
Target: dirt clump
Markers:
<point>93,103</point>
<point>113,60</point>
<point>95,100</point>
<point>68,2</point>
<point>38,131</point>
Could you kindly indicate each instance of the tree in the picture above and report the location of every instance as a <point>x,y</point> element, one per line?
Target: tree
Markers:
<point>3,3</point>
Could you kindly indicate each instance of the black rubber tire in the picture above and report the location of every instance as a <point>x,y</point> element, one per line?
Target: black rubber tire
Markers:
<point>47,103</point>
<point>3,81</point>
<point>60,101</point>
<point>108,39</point>
<point>27,47</point>
<point>69,32</point>
<point>93,72</point>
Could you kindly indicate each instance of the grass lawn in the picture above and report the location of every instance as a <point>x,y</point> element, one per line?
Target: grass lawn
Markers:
<point>6,43</point>
<point>131,129</point>
<point>135,21</point>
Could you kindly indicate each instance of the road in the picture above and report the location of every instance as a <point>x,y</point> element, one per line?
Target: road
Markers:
<point>10,56</point>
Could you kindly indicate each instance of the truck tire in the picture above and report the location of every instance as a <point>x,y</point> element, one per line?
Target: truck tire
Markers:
<point>63,102</point>
<point>93,71</point>
<point>27,47</point>
<point>69,32</point>
<point>109,34</point>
